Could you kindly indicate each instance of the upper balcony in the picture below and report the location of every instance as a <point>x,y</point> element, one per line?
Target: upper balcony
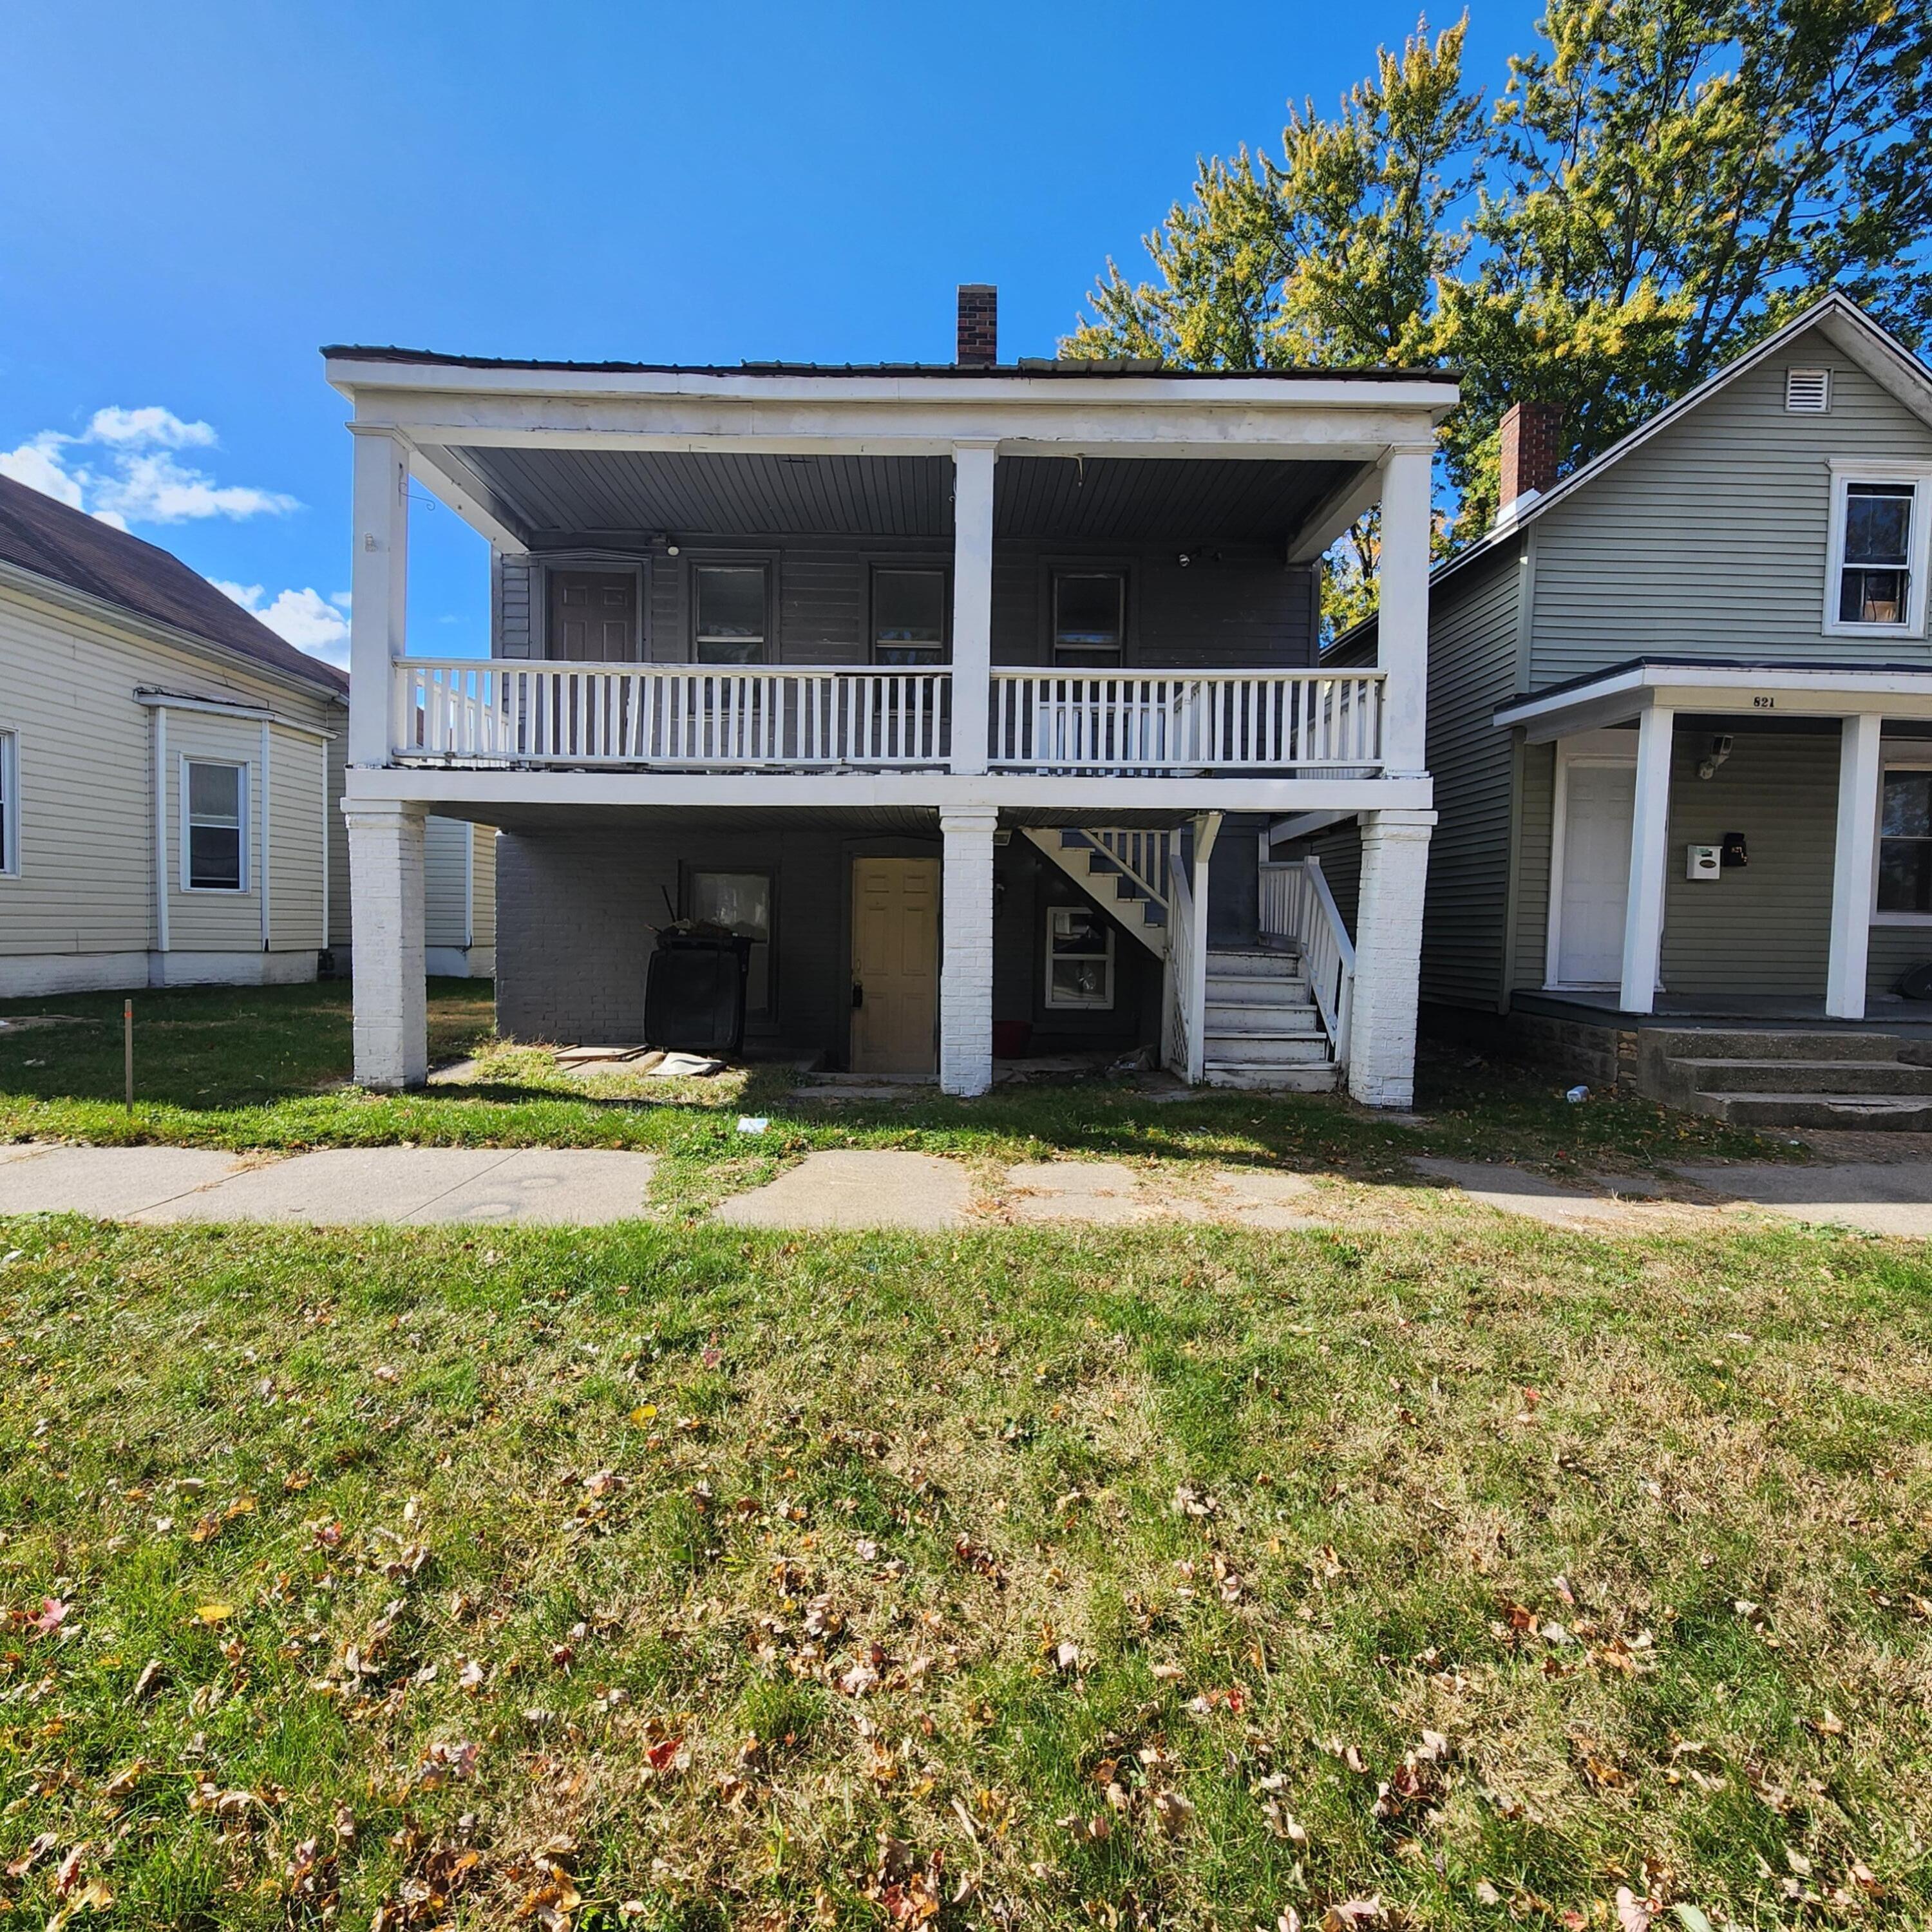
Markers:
<point>1025,580</point>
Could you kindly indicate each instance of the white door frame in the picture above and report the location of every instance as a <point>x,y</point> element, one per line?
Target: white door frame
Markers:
<point>1607,747</point>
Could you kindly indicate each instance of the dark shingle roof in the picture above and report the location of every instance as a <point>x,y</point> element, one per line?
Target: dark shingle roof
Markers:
<point>70,548</point>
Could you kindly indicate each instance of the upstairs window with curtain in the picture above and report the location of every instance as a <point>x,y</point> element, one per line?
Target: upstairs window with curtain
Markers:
<point>1877,538</point>
<point>733,614</point>
<point>1090,619</point>
<point>908,617</point>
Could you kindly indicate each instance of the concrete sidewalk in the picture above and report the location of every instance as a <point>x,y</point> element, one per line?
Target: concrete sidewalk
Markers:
<point>339,1187</point>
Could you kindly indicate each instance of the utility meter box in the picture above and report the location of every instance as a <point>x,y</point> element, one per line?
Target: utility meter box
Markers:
<point>1706,862</point>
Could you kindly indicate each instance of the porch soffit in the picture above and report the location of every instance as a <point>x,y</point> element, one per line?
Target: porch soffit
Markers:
<point>847,822</point>
<point>553,495</point>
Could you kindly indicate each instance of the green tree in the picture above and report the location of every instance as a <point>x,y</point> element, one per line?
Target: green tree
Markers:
<point>1661,182</point>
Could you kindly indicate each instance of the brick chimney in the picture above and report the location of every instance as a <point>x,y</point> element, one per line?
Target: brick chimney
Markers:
<point>1529,433</point>
<point>978,340</point>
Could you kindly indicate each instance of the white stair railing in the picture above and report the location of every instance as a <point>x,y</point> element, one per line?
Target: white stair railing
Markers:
<point>1141,856</point>
<point>461,710</point>
<point>1184,1032</point>
<point>1297,908</point>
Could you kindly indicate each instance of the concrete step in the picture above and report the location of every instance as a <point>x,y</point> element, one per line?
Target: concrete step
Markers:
<point>1876,1077</point>
<point>1311,1078</point>
<point>1867,1113</point>
<point>1262,1016</point>
<point>1768,1043</point>
<point>1252,1049</point>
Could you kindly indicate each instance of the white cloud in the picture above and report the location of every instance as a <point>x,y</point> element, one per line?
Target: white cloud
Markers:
<point>310,622</point>
<point>137,478</point>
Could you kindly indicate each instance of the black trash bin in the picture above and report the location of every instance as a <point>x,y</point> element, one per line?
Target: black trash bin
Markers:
<point>694,992</point>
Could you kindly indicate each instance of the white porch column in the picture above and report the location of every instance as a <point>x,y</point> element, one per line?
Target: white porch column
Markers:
<point>1650,826</point>
<point>1388,957</point>
<point>379,582</point>
<point>966,966</point>
<point>1853,864</point>
<point>972,604</point>
<point>385,878</point>
<point>1402,627</point>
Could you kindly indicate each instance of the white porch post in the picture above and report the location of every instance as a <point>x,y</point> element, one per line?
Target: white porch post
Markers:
<point>972,604</point>
<point>379,581</point>
<point>1650,824</point>
<point>966,967</point>
<point>1852,866</point>
<point>385,876</point>
<point>1388,957</point>
<point>1402,626</point>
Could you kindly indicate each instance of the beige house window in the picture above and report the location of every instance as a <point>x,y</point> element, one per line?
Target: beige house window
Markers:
<point>10,804</point>
<point>214,844</point>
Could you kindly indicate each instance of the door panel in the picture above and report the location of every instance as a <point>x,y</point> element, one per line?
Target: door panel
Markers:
<point>895,965</point>
<point>593,616</point>
<point>1598,801</point>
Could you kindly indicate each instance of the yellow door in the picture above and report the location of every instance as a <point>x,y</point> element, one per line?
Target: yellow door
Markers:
<point>895,965</point>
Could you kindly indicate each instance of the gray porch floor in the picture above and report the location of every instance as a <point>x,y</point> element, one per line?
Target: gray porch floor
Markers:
<point>1744,1010</point>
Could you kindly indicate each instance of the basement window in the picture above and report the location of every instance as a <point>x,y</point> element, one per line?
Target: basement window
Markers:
<point>1905,843</point>
<point>1079,959</point>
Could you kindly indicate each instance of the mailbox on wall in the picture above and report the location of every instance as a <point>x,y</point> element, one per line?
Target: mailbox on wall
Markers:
<point>1703,862</point>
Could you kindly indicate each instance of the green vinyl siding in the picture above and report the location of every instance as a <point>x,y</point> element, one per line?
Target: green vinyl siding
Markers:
<point>1712,538</point>
<point>1536,767</point>
<point>1472,669</point>
<point>1893,949</point>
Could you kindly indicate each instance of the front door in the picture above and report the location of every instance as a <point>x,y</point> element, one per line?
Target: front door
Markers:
<point>593,616</point>
<point>895,965</point>
<point>1598,801</point>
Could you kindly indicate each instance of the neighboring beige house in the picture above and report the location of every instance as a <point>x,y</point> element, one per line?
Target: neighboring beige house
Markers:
<point>170,779</point>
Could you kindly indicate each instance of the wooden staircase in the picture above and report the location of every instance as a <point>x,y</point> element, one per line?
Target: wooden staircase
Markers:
<point>1263,1030</point>
<point>1121,868</point>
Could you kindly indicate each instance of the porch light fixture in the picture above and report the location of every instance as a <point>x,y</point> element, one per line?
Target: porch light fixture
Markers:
<point>1721,750</point>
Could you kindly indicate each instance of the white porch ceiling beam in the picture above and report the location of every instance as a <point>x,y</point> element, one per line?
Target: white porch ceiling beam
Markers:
<point>467,504</point>
<point>1335,512</point>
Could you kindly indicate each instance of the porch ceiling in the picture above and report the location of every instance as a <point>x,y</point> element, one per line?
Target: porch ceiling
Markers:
<point>560,496</point>
<point>542,820</point>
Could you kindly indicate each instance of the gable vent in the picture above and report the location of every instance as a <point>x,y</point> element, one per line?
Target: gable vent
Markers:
<point>1808,392</point>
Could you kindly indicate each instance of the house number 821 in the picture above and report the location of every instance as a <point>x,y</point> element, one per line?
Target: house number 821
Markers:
<point>1762,703</point>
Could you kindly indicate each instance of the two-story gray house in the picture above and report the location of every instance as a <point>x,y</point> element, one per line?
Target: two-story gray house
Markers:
<point>1681,729</point>
<point>960,692</point>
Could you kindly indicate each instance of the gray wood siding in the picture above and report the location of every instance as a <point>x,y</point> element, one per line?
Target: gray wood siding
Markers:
<point>1536,781</point>
<point>1713,537</point>
<point>1765,928</point>
<point>1472,669</point>
<point>1246,611</point>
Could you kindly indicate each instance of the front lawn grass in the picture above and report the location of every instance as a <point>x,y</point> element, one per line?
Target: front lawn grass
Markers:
<point>269,1068</point>
<point>1463,1577</point>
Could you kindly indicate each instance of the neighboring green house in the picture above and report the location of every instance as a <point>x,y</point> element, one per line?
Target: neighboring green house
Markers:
<point>1680,721</point>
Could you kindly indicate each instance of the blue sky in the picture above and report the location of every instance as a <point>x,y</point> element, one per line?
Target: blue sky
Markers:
<point>194,196</point>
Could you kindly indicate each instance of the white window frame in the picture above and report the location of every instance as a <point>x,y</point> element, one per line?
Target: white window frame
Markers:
<point>766,565</point>
<point>1064,1004</point>
<point>1904,761</point>
<point>246,871</point>
<point>10,802</point>
<point>1919,546</point>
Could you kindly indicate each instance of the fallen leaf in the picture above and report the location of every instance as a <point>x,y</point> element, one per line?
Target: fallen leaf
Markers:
<point>214,1613</point>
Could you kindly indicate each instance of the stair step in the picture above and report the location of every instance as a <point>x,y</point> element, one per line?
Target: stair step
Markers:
<point>1875,1078</point>
<point>1265,1049</point>
<point>1769,1043</point>
<point>1252,964</point>
<point>1313,1078</point>
<point>1894,1113</point>
<point>1287,1016</point>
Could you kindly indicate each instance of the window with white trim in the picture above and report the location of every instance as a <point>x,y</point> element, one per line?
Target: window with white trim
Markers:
<point>1905,842</point>
<point>1090,619</point>
<point>1079,958</point>
<point>10,804</point>
<point>1879,529</point>
<point>214,844</point>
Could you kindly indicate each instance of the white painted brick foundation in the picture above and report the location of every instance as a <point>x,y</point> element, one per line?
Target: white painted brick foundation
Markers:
<point>386,878</point>
<point>966,969</point>
<point>1388,957</point>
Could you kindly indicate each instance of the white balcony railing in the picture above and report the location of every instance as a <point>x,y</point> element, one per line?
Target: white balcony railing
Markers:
<point>689,717</point>
<point>1185,721</point>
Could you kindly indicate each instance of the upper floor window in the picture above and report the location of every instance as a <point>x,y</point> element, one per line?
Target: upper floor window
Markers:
<point>10,803</point>
<point>214,857</point>
<point>908,617</point>
<point>1090,618</point>
<point>1878,528</point>
<point>732,613</point>
<point>1905,843</point>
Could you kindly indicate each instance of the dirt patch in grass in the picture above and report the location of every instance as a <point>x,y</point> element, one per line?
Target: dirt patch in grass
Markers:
<point>1181,1577</point>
